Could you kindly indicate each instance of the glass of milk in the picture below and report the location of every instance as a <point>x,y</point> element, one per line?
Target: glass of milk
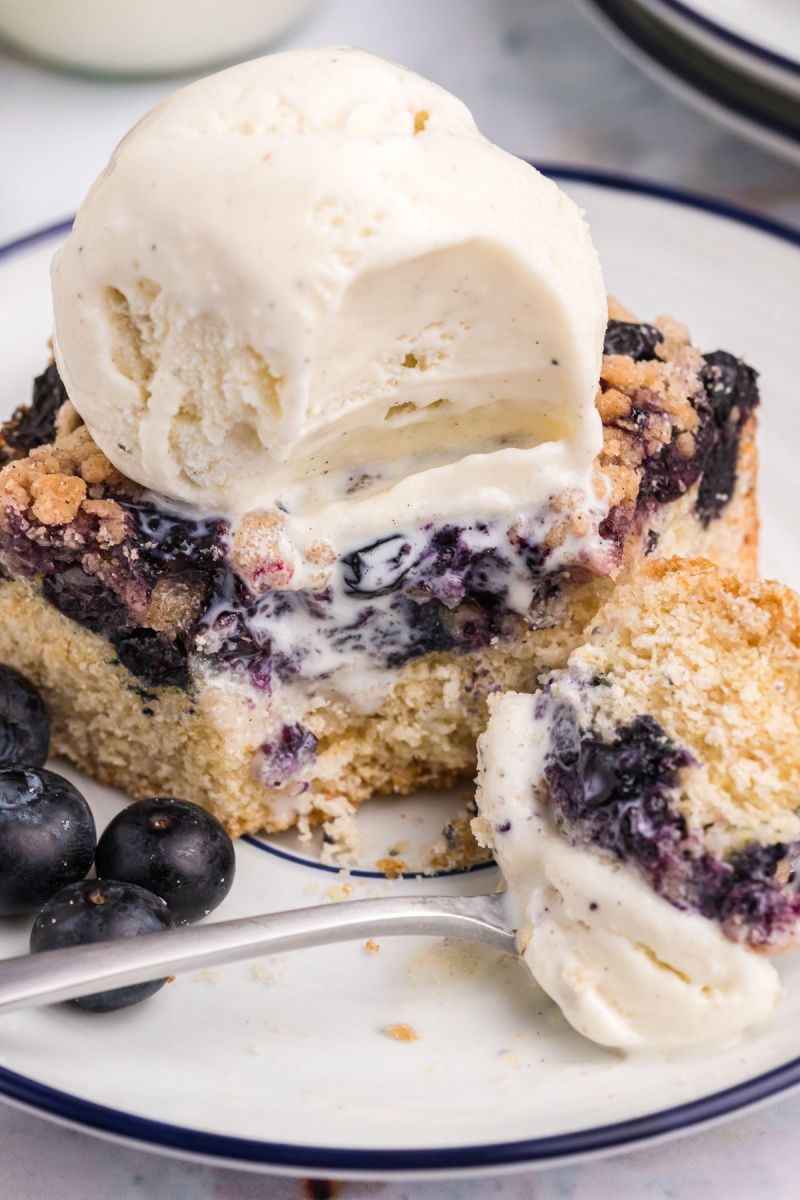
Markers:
<point>144,37</point>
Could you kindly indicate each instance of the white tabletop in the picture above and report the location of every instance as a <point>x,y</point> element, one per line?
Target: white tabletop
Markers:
<point>545,85</point>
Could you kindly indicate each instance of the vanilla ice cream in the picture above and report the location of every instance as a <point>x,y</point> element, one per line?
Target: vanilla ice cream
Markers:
<point>309,284</point>
<point>626,967</point>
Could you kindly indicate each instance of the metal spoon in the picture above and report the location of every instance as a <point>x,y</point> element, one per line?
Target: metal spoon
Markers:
<point>53,975</point>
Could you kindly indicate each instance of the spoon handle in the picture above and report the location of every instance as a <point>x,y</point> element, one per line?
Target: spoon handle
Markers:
<point>53,975</point>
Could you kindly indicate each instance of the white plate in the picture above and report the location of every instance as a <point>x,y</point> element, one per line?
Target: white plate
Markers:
<point>285,1067</point>
<point>739,91</point>
<point>758,37</point>
<point>761,35</point>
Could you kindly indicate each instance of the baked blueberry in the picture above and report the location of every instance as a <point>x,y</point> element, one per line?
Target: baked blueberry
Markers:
<point>47,837</point>
<point>288,754</point>
<point>173,848</point>
<point>97,910</point>
<point>633,338</point>
<point>24,724</point>
<point>153,659</point>
<point>36,425</point>
<point>86,599</point>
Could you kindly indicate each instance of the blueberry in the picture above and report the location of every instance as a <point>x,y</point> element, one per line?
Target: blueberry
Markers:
<point>629,337</point>
<point>36,426</point>
<point>730,383</point>
<point>173,848</point>
<point>153,659</point>
<point>97,910</point>
<point>167,537</point>
<point>24,725</point>
<point>732,392</point>
<point>290,752</point>
<point>85,599</point>
<point>47,837</point>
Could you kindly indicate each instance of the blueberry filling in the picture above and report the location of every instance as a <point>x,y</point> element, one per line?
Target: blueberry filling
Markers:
<point>35,424</point>
<point>621,796</point>
<point>638,341</point>
<point>164,538</point>
<point>87,600</point>
<point>380,568</point>
<point>109,589</point>
<point>437,589</point>
<point>254,633</point>
<point>152,659</point>
<point>732,390</point>
<point>724,402</point>
<point>295,747</point>
<point>445,565</point>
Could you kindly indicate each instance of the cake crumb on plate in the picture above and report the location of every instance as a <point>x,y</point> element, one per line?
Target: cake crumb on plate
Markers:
<point>401,1032</point>
<point>206,976</point>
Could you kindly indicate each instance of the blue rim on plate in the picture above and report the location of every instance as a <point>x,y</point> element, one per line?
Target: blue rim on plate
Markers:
<point>734,39</point>
<point>354,871</point>
<point>696,68</point>
<point>179,1140</point>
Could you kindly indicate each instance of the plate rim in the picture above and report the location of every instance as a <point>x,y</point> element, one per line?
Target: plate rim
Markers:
<point>371,1163</point>
<point>733,96</point>
<point>737,40</point>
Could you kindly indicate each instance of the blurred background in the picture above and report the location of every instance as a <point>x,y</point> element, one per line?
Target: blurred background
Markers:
<point>540,77</point>
<point>617,85</point>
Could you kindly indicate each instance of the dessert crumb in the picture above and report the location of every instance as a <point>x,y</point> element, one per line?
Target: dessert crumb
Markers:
<point>338,891</point>
<point>270,972</point>
<point>320,1189</point>
<point>392,868</point>
<point>401,1032</point>
<point>372,946</point>
<point>206,976</point>
<point>457,847</point>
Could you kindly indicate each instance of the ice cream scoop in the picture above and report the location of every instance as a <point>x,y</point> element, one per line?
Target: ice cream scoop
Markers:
<point>309,281</point>
<point>627,968</point>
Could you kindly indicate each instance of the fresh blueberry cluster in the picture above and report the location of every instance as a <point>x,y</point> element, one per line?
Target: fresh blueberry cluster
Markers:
<point>620,796</point>
<point>159,862</point>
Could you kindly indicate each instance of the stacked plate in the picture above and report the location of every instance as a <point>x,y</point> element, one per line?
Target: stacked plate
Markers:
<point>736,60</point>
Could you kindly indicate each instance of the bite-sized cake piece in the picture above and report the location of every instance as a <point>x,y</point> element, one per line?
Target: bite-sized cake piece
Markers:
<point>643,807</point>
<point>344,451</point>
